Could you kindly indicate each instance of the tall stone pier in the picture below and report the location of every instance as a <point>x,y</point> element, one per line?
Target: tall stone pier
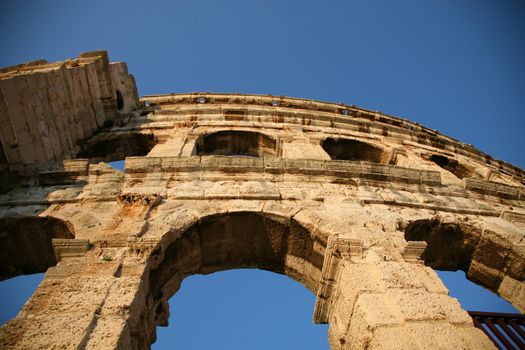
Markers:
<point>358,206</point>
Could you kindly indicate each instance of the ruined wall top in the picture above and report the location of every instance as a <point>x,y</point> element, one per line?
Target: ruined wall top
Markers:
<point>48,109</point>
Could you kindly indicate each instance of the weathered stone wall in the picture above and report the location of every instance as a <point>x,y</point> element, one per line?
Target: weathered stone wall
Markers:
<point>215,182</point>
<point>47,109</point>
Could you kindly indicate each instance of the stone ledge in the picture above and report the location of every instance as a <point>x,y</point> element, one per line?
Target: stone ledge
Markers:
<point>458,210</point>
<point>516,218</point>
<point>69,248</point>
<point>278,166</point>
<point>494,189</point>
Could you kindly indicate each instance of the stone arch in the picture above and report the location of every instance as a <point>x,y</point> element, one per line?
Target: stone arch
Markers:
<point>25,244</point>
<point>453,166</point>
<point>236,143</point>
<point>450,245</point>
<point>224,241</point>
<point>487,255</point>
<point>109,147</point>
<point>354,150</point>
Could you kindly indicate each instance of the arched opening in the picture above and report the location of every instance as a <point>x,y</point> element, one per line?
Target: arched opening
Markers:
<point>236,143</point>
<point>478,260</point>
<point>451,165</point>
<point>235,241</point>
<point>242,309</point>
<point>117,146</point>
<point>25,244</point>
<point>349,149</point>
<point>451,246</point>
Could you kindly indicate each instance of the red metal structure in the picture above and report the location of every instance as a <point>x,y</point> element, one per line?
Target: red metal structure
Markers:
<point>507,331</point>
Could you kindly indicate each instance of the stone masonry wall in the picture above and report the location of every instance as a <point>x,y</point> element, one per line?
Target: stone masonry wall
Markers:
<point>47,109</point>
<point>357,206</point>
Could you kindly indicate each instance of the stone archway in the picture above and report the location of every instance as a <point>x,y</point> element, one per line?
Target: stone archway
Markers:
<point>26,244</point>
<point>236,143</point>
<point>351,149</point>
<point>485,253</point>
<point>236,240</point>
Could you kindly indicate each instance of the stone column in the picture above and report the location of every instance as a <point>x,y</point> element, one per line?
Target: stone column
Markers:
<point>370,303</point>
<point>92,299</point>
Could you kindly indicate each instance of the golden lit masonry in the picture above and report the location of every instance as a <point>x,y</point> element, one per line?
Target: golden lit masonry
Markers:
<point>358,206</point>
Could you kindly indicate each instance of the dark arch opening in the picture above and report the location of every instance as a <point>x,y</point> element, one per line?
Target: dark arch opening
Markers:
<point>116,146</point>
<point>25,244</point>
<point>486,258</point>
<point>450,247</point>
<point>349,149</point>
<point>236,143</point>
<point>120,100</point>
<point>235,241</point>
<point>451,165</point>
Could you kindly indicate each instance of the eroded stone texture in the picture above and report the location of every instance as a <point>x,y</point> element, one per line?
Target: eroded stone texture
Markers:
<point>48,109</point>
<point>357,206</point>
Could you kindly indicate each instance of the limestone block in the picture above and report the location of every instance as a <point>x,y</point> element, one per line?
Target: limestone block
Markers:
<point>337,332</point>
<point>67,248</point>
<point>399,275</point>
<point>232,164</point>
<point>303,150</point>
<point>378,310</point>
<point>418,305</point>
<point>486,276</point>
<point>238,190</point>
<point>441,335</point>
<point>352,281</point>
<point>64,330</point>
<point>393,338</point>
<point>430,280</point>
<point>371,311</point>
<point>509,288</point>
<point>519,299</point>
<point>179,164</point>
<point>474,338</point>
<point>66,195</point>
<point>142,164</point>
<point>414,250</point>
<point>172,147</point>
<point>492,250</point>
<point>515,263</point>
<point>492,188</point>
<point>79,166</point>
<point>514,217</point>
<point>453,310</point>
<point>69,295</point>
<point>110,332</point>
<point>187,190</point>
<point>122,294</point>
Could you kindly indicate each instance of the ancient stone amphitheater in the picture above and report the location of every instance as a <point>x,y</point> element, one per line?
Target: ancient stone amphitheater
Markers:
<point>358,206</point>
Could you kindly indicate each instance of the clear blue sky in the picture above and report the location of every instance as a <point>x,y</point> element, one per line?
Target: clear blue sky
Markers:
<point>456,66</point>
